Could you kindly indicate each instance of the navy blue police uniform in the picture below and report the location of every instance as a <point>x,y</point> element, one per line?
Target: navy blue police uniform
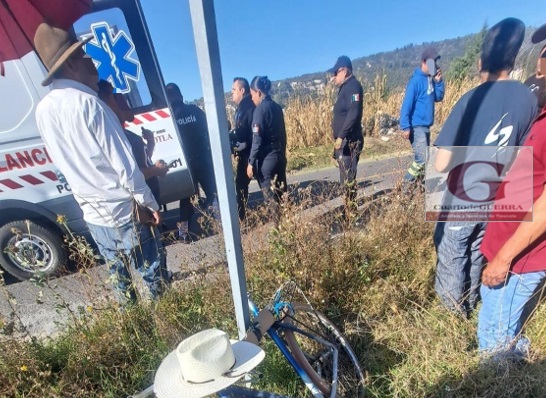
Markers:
<point>243,134</point>
<point>268,152</point>
<point>192,125</point>
<point>346,124</point>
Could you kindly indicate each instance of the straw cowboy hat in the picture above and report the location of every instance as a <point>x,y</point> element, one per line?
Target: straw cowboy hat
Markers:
<point>55,46</point>
<point>205,363</point>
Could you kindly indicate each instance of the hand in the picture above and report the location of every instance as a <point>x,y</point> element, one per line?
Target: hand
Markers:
<point>250,171</point>
<point>338,143</point>
<point>406,134</point>
<point>157,218</point>
<point>495,272</point>
<point>438,75</point>
<point>161,167</point>
<point>240,146</point>
<point>148,135</point>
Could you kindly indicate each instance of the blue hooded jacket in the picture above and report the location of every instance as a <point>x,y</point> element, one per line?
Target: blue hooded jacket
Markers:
<point>418,106</point>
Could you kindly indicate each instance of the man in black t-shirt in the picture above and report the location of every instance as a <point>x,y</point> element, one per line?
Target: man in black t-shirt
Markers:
<point>498,113</point>
<point>537,81</point>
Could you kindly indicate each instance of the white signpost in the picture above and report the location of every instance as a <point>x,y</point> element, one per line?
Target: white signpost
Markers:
<point>208,55</point>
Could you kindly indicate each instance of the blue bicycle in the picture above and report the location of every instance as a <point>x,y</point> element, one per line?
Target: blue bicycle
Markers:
<point>314,347</point>
<point>317,351</point>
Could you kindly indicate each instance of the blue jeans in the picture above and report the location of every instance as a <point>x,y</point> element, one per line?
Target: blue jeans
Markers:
<point>500,321</point>
<point>459,263</point>
<point>136,245</point>
<point>420,140</point>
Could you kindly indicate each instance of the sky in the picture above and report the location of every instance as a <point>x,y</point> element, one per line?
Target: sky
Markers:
<point>287,38</point>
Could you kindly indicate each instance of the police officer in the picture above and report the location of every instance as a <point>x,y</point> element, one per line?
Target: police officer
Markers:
<point>267,161</point>
<point>193,129</point>
<point>242,133</point>
<point>347,127</point>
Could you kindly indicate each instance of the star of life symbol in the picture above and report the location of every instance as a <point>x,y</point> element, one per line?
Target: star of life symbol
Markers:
<point>111,55</point>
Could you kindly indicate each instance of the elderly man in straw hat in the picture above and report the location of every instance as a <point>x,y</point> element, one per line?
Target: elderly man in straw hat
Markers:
<point>87,144</point>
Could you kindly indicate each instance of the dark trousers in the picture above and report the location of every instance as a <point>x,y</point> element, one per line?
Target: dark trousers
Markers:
<point>347,158</point>
<point>241,185</point>
<point>204,176</point>
<point>272,175</point>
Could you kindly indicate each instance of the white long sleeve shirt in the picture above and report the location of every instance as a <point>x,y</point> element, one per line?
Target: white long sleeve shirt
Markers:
<point>87,144</point>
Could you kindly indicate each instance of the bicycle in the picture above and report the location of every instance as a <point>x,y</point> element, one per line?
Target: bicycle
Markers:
<point>317,351</point>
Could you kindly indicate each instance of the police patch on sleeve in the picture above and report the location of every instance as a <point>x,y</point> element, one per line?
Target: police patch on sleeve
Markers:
<point>355,98</point>
<point>256,128</point>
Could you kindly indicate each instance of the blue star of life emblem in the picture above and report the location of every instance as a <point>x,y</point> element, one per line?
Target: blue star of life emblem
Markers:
<point>111,55</point>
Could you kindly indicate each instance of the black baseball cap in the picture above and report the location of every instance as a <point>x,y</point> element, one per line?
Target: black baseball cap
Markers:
<point>430,53</point>
<point>539,35</point>
<point>342,62</point>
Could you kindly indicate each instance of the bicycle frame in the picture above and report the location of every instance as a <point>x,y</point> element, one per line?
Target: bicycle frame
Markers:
<point>273,333</point>
<point>277,309</point>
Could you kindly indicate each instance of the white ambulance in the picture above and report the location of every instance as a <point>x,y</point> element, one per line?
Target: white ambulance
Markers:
<point>32,191</point>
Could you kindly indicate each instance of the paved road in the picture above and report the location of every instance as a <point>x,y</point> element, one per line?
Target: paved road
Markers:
<point>38,308</point>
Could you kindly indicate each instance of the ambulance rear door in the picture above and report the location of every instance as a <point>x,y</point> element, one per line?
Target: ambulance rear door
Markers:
<point>123,53</point>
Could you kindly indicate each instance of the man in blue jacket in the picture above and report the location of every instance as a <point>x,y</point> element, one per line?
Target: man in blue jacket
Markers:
<point>417,114</point>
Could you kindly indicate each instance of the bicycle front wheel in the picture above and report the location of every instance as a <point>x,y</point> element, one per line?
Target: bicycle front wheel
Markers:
<point>317,359</point>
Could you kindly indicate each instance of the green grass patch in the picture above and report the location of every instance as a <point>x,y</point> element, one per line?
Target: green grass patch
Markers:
<point>317,157</point>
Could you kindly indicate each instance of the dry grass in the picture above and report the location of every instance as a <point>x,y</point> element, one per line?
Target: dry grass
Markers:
<point>308,120</point>
<point>374,281</point>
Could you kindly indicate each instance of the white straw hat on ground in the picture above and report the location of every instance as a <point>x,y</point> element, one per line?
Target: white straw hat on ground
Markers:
<point>205,363</point>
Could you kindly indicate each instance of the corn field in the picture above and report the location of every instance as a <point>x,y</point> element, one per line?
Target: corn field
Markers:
<point>308,119</point>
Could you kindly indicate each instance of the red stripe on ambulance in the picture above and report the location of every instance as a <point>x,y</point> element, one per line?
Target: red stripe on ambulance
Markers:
<point>11,184</point>
<point>49,174</point>
<point>162,114</point>
<point>31,179</point>
<point>150,117</point>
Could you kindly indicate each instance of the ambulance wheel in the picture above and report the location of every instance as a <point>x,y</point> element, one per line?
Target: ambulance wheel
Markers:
<point>29,249</point>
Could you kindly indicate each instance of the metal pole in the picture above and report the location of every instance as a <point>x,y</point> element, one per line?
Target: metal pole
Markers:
<point>206,43</point>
